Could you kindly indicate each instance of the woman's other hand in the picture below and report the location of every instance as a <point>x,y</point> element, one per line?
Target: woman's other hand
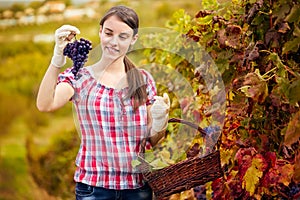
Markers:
<point>160,113</point>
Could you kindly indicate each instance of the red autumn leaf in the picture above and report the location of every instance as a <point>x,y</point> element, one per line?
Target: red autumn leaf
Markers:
<point>220,192</point>
<point>247,160</point>
<point>271,158</point>
<point>270,178</point>
<point>239,156</point>
<point>264,139</point>
<point>263,161</point>
<point>282,172</point>
<point>244,158</point>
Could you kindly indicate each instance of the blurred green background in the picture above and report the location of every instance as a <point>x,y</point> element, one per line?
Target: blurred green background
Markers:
<point>37,150</point>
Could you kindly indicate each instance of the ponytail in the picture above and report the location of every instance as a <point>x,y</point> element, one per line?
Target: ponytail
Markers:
<point>136,83</point>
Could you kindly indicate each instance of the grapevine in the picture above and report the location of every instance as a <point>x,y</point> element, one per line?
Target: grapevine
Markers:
<point>255,45</point>
<point>78,52</point>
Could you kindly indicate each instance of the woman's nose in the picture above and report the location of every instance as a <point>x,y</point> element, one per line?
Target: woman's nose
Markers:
<point>114,40</point>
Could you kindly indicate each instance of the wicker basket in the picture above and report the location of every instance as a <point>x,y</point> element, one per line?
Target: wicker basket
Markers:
<point>184,175</point>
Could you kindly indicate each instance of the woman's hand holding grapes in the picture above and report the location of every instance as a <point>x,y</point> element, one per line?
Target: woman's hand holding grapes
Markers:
<point>63,36</point>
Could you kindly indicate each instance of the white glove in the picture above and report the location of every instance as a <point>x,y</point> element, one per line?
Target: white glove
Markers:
<point>63,36</point>
<point>160,113</point>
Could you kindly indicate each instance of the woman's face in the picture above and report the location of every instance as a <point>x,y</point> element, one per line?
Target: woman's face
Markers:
<point>116,38</point>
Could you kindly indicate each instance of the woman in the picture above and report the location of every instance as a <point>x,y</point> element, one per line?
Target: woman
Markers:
<point>116,108</point>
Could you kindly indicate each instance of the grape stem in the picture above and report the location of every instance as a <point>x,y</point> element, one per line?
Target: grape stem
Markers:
<point>71,36</point>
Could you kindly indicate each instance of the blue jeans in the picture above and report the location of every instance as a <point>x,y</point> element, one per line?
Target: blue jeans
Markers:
<point>87,192</point>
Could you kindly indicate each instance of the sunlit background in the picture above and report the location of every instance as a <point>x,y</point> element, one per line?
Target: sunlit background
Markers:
<point>37,150</point>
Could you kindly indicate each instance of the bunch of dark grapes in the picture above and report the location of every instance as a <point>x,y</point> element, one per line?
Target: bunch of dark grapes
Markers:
<point>78,52</point>
<point>200,192</point>
<point>294,190</point>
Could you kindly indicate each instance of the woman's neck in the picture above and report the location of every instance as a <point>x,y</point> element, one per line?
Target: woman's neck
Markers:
<point>110,74</point>
<point>110,66</point>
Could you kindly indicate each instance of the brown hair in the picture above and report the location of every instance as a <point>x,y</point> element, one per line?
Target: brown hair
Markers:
<point>136,83</point>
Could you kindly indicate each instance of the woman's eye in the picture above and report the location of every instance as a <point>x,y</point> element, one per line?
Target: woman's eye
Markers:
<point>124,36</point>
<point>108,33</point>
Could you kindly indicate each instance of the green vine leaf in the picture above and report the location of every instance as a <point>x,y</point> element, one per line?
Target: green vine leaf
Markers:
<point>294,95</point>
<point>158,164</point>
<point>291,46</point>
<point>135,163</point>
<point>149,156</point>
<point>210,4</point>
<point>293,16</point>
<point>283,87</point>
<point>274,57</point>
<point>296,32</point>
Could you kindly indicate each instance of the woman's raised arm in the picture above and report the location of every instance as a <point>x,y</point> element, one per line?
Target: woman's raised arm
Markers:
<point>51,95</point>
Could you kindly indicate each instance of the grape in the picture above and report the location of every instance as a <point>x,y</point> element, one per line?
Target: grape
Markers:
<point>78,52</point>
<point>294,189</point>
<point>200,192</point>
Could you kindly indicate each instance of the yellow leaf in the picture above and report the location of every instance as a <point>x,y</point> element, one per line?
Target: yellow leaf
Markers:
<point>226,156</point>
<point>188,194</point>
<point>165,157</point>
<point>165,154</point>
<point>252,176</point>
<point>231,95</point>
<point>245,89</point>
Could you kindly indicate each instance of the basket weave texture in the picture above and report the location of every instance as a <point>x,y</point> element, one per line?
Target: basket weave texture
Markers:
<point>184,175</point>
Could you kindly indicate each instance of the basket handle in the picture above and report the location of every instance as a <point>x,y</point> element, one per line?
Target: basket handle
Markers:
<point>195,126</point>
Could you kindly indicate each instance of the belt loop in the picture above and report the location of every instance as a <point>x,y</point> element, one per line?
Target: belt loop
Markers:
<point>118,195</point>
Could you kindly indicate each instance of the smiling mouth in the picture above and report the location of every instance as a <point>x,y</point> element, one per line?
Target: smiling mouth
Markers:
<point>112,50</point>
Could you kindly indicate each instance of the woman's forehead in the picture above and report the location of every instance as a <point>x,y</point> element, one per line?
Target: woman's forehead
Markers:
<point>115,24</point>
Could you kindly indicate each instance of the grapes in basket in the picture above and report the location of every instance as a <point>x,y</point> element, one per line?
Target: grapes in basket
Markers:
<point>78,52</point>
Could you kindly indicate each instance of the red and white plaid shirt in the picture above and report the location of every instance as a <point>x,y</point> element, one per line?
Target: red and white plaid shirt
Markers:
<point>111,132</point>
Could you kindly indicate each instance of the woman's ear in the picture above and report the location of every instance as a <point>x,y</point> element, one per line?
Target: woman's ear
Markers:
<point>134,39</point>
<point>100,30</point>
